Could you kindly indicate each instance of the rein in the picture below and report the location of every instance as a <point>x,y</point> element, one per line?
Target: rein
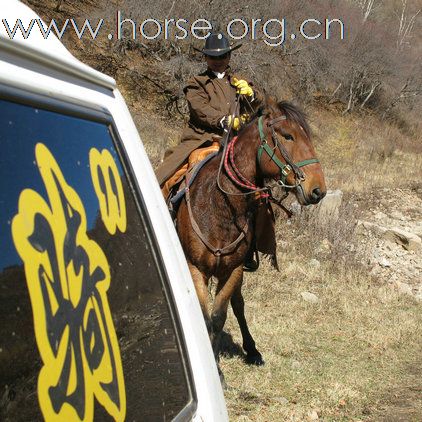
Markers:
<point>236,176</point>
<point>218,252</point>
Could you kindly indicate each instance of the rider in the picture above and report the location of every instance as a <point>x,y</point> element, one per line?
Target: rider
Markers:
<point>212,98</point>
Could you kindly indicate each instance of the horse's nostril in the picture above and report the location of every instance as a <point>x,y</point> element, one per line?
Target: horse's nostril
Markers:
<point>316,193</point>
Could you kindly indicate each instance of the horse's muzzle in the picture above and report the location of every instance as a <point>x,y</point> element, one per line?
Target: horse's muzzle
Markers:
<point>314,197</point>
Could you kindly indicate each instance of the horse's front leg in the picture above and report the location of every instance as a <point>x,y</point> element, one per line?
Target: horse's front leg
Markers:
<point>253,357</point>
<point>200,282</point>
<point>227,285</point>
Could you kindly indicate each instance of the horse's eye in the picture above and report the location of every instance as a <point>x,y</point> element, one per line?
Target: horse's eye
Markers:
<point>287,137</point>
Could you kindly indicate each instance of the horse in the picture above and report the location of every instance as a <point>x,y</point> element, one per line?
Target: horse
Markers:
<point>215,221</point>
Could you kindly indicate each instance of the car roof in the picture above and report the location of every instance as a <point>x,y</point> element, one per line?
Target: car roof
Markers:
<point>47,52</point>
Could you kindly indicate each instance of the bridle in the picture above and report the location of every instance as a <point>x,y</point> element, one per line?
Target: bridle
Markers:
<point>285,168</point>
<point>241,181</point>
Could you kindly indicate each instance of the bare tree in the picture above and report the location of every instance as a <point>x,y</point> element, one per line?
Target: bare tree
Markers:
<point>367,7</point>
<point>411,89</point>
<point>406,24</point>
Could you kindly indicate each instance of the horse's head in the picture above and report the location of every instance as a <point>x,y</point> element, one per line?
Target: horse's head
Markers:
<point>286,152</point>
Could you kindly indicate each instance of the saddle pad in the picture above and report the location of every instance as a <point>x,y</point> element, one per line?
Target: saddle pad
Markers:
<point>181,193</point>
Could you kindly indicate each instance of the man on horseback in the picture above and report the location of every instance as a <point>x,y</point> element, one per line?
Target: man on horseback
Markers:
<point>226,213</point>
<point>219,102</point>
<point>212,97</point>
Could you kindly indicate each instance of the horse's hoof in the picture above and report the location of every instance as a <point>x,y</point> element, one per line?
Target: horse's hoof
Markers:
<point>222,378</point>
<point>255,359</point>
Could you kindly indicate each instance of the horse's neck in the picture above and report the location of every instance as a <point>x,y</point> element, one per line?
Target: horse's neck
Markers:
<point>245,154</point>
<point>215,184</point>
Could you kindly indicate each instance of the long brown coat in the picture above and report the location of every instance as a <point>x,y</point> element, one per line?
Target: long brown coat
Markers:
<point>209,100</point>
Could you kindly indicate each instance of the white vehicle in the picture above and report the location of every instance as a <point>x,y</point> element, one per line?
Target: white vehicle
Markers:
<point>99,316</point>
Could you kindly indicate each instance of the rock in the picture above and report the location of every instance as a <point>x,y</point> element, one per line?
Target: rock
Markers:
<point>384,262</point>
<point>295,207</point>
<point>403,288</point>
<point>380,215</point>
<point>375,270</point>
<point>418,295</point>
<point>389,254</point>
<point>314,263</point>
<point>309,297</point>
<point>328,208</point>
<point>324,246</point>
<point>313,415</point>
<point>295,364</point>
<point>418,229</point>
<point>409,241</point>
<point>281,400</point>
<point>366,226</point>
<point>282,244</point>
<point>397,215</point>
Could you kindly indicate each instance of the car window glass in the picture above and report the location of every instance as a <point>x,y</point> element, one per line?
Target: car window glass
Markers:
<point>86,328</point>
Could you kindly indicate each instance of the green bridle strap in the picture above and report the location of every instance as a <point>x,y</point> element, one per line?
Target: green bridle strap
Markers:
<point>261,130</point>
<point>307,162</point>
<point>284,168</point>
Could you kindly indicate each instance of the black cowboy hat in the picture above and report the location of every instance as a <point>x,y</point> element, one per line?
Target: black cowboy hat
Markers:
<point>217,45</point>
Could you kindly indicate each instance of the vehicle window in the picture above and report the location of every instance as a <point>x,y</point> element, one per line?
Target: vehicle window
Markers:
<point>86,328</point>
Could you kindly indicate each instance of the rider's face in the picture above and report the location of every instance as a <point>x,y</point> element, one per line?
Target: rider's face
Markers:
<point>219,63</point>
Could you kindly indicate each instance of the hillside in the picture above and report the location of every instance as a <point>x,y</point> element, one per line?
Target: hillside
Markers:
<point>352,349</point>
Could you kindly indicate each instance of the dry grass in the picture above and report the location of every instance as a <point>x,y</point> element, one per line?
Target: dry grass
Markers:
<point>355,355</point>
<point>339,357</point>
<point>360,152</point>
<point>157,135</point>
<point>346,357</point>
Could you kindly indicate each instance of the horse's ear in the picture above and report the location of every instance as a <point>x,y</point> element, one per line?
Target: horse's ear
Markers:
<point>270,105</point>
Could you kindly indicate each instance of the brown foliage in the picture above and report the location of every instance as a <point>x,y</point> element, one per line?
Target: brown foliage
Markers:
<point>377,66</point>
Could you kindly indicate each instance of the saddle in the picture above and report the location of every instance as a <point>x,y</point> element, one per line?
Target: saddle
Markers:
<point>173,188</point>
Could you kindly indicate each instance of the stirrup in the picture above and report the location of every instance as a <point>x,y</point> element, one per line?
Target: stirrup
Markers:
<point>251,263</point>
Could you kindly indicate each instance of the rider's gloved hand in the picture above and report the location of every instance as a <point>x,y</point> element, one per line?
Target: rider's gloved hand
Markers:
<point>238,122</point>
<point>244,118</point>
<point>227,121</point>
<point>242,87</point>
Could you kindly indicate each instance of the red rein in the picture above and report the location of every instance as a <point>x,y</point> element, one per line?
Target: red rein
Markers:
<point>236,176</point>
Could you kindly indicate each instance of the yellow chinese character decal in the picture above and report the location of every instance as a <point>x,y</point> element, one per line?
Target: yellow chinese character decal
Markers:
<point>109,189</point>
<point>68,277</point>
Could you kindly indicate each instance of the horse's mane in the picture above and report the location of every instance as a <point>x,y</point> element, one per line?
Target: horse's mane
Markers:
<point>295,114</point>
<point>291,111</point>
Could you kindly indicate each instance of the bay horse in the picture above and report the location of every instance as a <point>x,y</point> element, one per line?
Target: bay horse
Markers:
<point>215,222</point>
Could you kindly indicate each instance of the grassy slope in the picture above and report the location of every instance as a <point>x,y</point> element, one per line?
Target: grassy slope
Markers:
<point>342,357</point>
<point>353,356</point>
